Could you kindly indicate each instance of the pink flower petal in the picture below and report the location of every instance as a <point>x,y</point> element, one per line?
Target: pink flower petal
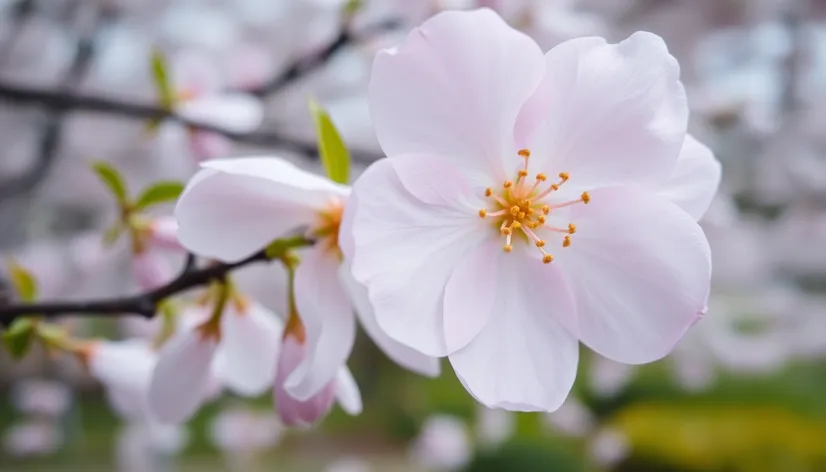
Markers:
<point>181,377</point>
<point>523,359</point>
<point>407,237</point>
<point>640,269</point>
<point>694,179</point>
<point>235,207</point>
<point>400,354</point>
<point>248,352</point>
<point>454,88</point>
<point>291,411</point>
<point>328,320</point>
<point>607,113</point>
<point>470,293</point>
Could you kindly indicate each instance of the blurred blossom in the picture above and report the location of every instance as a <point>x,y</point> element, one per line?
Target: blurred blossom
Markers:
<point>609,447</point>
<point>348,464</point>
<point>124,368</point>
<point>32,438</point>
<point>494,426</point>
<point>607,378</point>
<point>242,431</point>
<point>443,444</point>
<point>573,418</point>
<point>163,233</point>
<point>145,446</point>
<point>40,397</point>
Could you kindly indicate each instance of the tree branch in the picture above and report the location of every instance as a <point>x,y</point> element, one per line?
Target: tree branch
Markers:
<point>144,304</point>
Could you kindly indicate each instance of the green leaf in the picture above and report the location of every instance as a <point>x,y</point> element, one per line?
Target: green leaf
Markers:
<point>18,338</point>
<point>112,179</point>
<point>160,74</point>
<point>160,192</point>
<point>279,248</point>
<point>24,283</point>
<point>334,154</point>
<point>352,7</point>
<point>112,233</point>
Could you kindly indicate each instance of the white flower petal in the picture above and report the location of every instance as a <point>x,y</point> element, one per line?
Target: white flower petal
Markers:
<point>235,207</point>
<point>233,112</point>
<point>454,87</point>
<point>523,359</point>
<point>181,377</point>
<point>694,179</point>
<point>640,270</point>
<point>348,394</point>
<point>248,352</point>
<point>607,113</point>
<point>406,357</point>
<point>328,320</point>
<point>410,226</point>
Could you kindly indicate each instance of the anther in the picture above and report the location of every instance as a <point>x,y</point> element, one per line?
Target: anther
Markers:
<point>524,152</point>
<point>571,228</point>
<point>540,243</point>
<point>514,210</point>
<point>521,215</point>
<point>586,197</point>
<point>547,258</point>
<point>541,177</point>
<point>564,176</point>
<point>488,192</point>
<point>506,231</point>
<point>555,187</point>
<point>508,184</point>
<point>541,219</point>
<point>523,173</point>
<point>566,242</point>
<point>483,213</point>
<point>546,209</point>
<point>516,225</point>
<point>508,248</point>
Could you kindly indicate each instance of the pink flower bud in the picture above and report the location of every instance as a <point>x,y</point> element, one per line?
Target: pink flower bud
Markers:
<point>150,270</point>
<point>163,233</point>
<point>293,412</point>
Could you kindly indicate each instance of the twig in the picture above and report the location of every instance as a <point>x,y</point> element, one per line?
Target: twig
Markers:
<point>56,99</point>
<point>144,304</point>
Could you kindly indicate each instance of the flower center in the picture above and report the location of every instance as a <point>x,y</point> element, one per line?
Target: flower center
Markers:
<point>521,206</point>
<point>326,227</point>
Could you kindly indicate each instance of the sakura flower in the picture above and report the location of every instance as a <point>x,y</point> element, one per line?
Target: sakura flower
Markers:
<point>443,444</point>
<point>41,397</point>
<point>525,205</point>
<point>150,269</point>
<point>233,208</point>
<point>124,368</point>
<point>239,348</point>
<point>201,99</point>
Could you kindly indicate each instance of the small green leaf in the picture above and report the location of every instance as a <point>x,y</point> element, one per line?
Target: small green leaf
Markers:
<point>112,233</point>
<point>352,7</point>
<point>24,283</point>
<point>278,248</point>
<point>112,179</point>
<point>52,335</point>
<point>334,154</point>
<point>160,74</point>
<point>18,338</point>
<point>160,192</point>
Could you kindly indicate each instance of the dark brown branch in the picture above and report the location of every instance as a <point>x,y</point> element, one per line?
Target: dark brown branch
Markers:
<point>144,304</point>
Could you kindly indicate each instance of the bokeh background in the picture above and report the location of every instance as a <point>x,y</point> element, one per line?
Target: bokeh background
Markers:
<point>744,391</point>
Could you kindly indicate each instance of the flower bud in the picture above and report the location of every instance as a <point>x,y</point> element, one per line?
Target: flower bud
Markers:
<point>150,270</point>
<point>293,412</point>
<point>163,233</point>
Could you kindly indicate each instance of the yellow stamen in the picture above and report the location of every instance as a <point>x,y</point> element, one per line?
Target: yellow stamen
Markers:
<point>488,192</point>
<point>547,258</point>
<point>571,228</point>
<point>514,210</point>
<point>508,248</point>
<point>540,243</point>
<point>508,184</point>
<point>566,242</point>
<point>541,177</point>
<point>524,152</point>
<point>564,176</point>
<point>586,197</point>
<point>483,213</point>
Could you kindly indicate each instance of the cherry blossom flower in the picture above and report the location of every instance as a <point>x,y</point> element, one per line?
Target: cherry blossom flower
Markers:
<point>239,350</point>
<point>233,208</point>
<point>41,397</point>
<point>443,444</point>
<point>530,203</point>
